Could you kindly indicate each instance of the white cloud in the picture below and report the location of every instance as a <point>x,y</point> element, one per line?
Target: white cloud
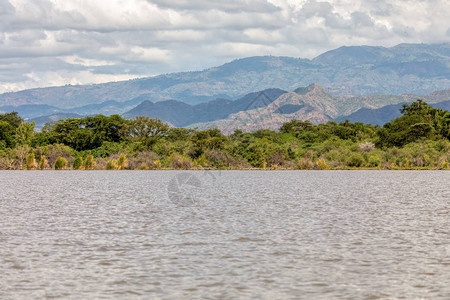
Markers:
<point>76,60</point>
<point>61,41</point>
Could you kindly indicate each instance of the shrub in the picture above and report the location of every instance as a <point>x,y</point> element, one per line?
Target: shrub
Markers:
<point>99,163</point>
<point>20,155</point>
<point>122,162</point>
<point>157,164</point>
<point>406,162</point>
<point>443,163</point>
<point>305,164</point>
<point>276,159</point>
<point>419,162</point>
<point>6,163</point>
<point>201,161</point>
<point>31,162</point>
<point>322,164</point>
<point>217,158</point>
<point>89,163</point>
<point>178,162</point>
<point>333,155</point>
<point>374,161</point>
<point>60,163</point>
<point>143,160</point>
<point>112,165</point>
<point>78,163</point>
<point>43,162</point>
<point>366,146</point>
<point>355,160</point>
<point>52,152</point>
<point>386,165</point>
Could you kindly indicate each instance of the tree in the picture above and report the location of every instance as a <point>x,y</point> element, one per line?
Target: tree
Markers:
<point>9,123</point>
<point>7,135</point>
<point>296,126</point>
<point>25,133</point>
<point>419,120</point>
<point>142,128</point>
<point>85,133</point>
<point>12,118</point>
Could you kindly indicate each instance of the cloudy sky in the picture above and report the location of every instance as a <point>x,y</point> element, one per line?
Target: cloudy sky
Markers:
<point>57,42</point>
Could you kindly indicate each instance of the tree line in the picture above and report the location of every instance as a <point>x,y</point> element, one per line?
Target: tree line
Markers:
<point>417,139</point>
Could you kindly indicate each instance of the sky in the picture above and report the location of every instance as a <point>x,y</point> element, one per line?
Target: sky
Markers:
<point>57,42</point>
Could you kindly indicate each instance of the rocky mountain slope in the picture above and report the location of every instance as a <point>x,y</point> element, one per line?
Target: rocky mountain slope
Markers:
<point>181,114</point>
<point>312,103</point>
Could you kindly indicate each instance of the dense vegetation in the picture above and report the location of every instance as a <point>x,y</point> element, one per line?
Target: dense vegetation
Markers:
<point>417,139</point>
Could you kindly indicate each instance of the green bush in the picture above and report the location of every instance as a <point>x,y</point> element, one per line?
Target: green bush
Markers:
<point>31,162</point>
<point>89,162</point>
<point>60,163</point>
<point>78,163</point>
<point>322,164</point>
<point>112,165</point>
<point>355,160</point>
<point>374,161</point>
<point>43,162</point>
<point>122,162</point>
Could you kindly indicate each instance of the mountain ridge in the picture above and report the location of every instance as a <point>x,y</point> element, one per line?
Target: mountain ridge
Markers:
<point>385,114</point>
<point>268,108</point>
<point>345,71</point>
<point>308,104</point>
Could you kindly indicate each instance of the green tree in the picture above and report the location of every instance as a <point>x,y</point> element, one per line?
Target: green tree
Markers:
<point>419,120</point>
<point>146,130</point>
<point>25,133</point>
<point>144,127</point>
<point>9,123</point>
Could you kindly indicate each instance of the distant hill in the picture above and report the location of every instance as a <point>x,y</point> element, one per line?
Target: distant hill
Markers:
<point>30,110</point>
<point>346,71</point>
<point>383,115</point>
<point>40,121</point>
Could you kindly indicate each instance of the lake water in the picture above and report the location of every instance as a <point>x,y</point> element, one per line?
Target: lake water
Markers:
<point>224,234</point>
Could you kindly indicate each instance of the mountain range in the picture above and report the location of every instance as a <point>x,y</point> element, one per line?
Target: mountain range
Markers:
<point>361,83</point>
<point>269,108</point>
<point>346,71</point>
<point>384,114</point>
<point>314,104</point>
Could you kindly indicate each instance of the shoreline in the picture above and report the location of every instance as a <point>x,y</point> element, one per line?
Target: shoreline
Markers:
<point>247,169</point>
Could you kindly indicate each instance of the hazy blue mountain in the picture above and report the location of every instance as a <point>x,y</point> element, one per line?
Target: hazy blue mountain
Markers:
<point>30,110</point>
<point>109,107</point>
<point>40,121</point>
<point>442,105</point>
<point>346,71</point>
<point>384,114</point>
